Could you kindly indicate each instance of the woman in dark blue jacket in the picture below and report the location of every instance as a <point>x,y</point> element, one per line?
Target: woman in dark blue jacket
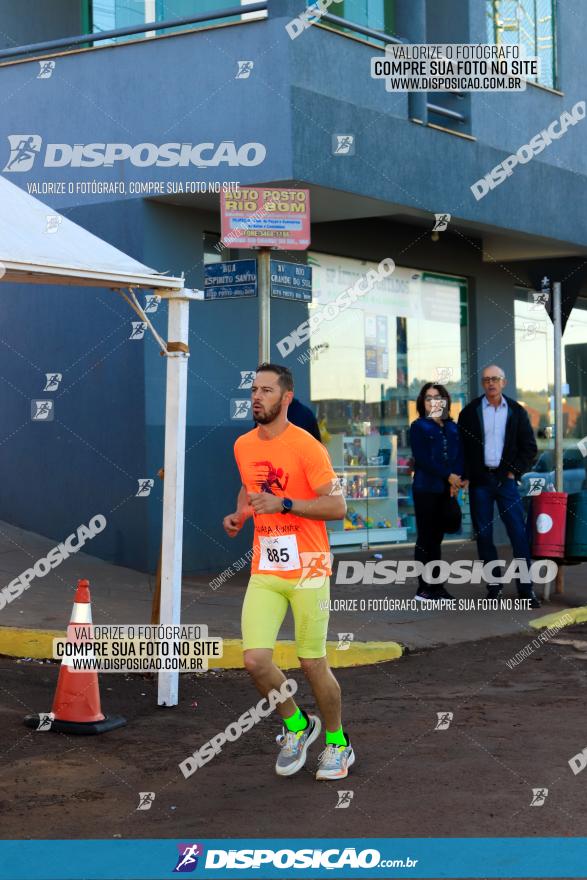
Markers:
<point>438,467</point>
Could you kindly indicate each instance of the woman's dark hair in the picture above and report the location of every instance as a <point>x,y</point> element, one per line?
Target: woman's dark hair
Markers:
<point>420,406</point>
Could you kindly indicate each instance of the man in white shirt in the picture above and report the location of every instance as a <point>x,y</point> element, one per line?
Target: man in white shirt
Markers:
<point>499,447</point>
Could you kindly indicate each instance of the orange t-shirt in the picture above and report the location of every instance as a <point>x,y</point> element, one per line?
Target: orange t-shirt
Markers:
<point>291,465</point>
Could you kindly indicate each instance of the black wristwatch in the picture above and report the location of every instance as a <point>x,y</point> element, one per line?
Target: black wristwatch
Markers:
<point>286,505</point>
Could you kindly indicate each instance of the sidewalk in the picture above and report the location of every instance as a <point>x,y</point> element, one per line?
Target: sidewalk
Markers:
<point>123,596</point>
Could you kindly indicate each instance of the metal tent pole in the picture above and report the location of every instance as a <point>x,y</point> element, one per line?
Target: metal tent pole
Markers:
<point>173,485</point>
<point>558,398</point>
<point>558,407</point>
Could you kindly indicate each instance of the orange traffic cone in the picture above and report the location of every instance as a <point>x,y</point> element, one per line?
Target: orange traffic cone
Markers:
<point>76,706</point>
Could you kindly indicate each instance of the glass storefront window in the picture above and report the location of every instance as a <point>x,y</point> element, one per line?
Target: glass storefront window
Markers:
<point>376,14</point>
<point>108,15</point>
<point>367,365</point>
<point>529,23</point>
<point>535,388</point>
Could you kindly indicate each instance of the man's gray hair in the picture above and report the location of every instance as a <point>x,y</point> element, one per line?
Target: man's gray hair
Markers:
<point>502,371</point>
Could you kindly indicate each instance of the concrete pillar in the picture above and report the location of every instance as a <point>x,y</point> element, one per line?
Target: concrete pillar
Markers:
<point>410,18</point>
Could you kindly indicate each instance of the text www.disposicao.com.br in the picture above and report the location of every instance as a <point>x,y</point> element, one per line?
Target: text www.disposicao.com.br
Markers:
<point>138,664</point>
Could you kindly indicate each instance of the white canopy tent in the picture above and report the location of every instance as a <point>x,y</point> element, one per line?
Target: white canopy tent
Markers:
<point>30,252</point>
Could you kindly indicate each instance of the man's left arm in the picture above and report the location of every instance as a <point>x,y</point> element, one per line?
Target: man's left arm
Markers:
<point>328,504</point>
<point>526,448</point>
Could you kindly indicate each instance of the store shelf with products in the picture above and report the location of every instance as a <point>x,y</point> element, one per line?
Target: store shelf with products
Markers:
<point>405,498</point>
<point>367,466</point>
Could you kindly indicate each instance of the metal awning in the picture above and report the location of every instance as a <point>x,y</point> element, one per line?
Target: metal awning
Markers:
<point>39,245</point>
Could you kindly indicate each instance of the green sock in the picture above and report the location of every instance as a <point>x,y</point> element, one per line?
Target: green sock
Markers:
<point>336,737</point>
<point>296,722</point>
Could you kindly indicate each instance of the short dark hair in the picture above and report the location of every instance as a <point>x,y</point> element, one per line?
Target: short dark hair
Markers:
<point>284,376</point>
<point>420,406</point>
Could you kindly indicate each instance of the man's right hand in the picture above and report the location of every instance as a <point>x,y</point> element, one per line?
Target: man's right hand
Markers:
<point>232,524</point>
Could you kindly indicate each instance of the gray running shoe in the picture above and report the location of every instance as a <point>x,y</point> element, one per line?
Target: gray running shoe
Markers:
<point>334,762</point>
<point>294,747</point>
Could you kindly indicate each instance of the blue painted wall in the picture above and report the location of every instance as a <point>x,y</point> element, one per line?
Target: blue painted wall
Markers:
<point>35,21</point>
<point>58,474</point>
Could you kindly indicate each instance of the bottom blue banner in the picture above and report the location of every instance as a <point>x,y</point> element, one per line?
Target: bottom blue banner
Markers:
<point>505,857</point>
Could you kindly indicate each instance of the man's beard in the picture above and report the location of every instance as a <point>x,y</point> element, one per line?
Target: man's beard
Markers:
<point>266,418</point>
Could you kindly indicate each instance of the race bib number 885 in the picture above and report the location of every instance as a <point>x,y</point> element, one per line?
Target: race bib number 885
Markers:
<point>279,554</point>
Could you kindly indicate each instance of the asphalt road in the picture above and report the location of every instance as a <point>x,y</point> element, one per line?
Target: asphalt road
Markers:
<point>512,730</point>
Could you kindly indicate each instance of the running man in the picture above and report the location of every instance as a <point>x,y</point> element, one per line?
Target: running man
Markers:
<point>25,149</point>
<point>290,537</point>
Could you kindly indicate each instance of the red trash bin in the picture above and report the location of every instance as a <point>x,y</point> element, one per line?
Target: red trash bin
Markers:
<point>549,519</point>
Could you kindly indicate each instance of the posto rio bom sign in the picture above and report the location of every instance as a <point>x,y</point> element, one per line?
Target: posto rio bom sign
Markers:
<point>264,217</point>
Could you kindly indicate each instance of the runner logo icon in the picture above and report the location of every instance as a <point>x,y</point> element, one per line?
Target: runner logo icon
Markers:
<point>244,69</point>
<point>444,719</point>
<point>42,410</point>
<point>188,857</point>
<point>539,796</point>
<point>46,71</point>
<point>152,302</point>
<point>315,565</point>
<point>343,144</point>
<point>146,799</point>
<point>138,329</point>
<point>240,409</point>
<point>145,486</point>
<point>24,149</point>
<point>441,222</point>
<point>53,380</point>
<point>344,799</point>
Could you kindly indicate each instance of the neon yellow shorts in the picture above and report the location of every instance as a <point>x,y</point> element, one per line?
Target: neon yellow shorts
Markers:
<point>265,607</point>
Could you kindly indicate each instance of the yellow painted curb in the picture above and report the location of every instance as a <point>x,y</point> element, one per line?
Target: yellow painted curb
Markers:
<point>38,643</point>
<point>561,618</point>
